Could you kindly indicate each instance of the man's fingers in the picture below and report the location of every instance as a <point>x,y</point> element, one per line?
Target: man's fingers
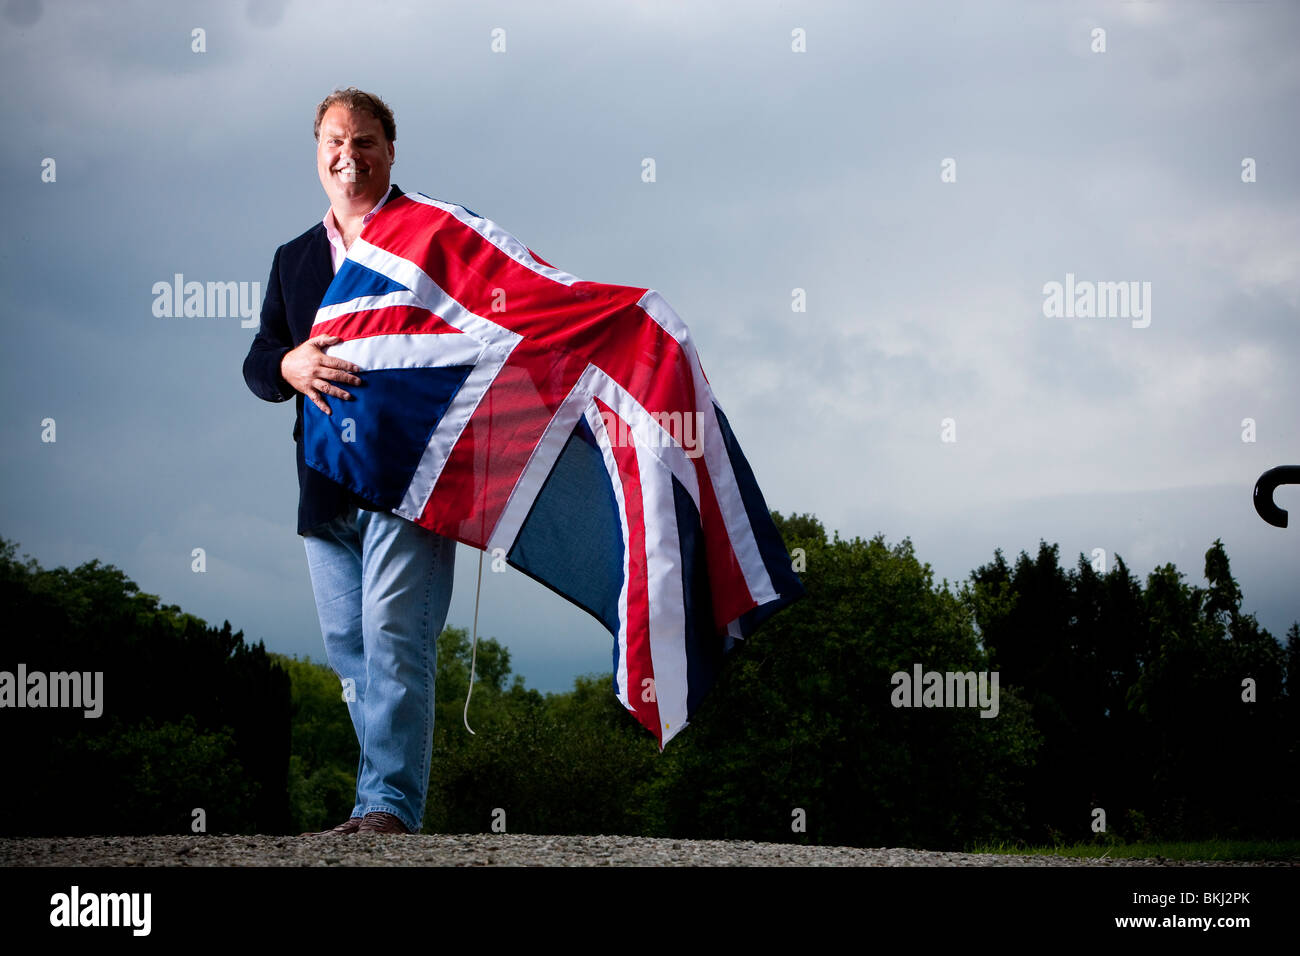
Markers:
<point>333,373</point>
<point>339,377</point>
<point>332,362</point>
<point>325,388</point>
<point>310,371</point>
<point>319,402</point>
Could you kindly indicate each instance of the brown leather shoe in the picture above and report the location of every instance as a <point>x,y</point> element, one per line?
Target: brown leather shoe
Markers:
<point>343,829</point>
<point>379,822</point>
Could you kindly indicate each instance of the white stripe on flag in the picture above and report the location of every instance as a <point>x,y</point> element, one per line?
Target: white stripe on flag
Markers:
<point>718,463</point>
<point>664,590</point>
<point>646,432</point>
<point>642,428</point>
<point>499,237</point>
<point>402,350</point>
<point>430,295</point>
<point>365,303</point>
<point>541,461</point>
<point>447,434</point>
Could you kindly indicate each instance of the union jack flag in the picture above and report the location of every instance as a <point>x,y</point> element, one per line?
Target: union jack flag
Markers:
<point>563,425</point>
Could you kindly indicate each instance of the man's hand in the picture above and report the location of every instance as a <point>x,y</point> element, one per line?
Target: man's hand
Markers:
<point>310,371</point>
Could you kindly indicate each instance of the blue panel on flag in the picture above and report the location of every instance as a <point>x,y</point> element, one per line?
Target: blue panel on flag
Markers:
<point>392,416</point>
<point>572,539</point>
<point>355,280</point>
<point>770,545</point>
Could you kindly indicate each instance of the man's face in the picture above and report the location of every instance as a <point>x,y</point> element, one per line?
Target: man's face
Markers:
<point>353,157</point>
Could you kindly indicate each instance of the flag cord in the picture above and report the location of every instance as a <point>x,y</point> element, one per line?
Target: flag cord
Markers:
<point>478,587</point>
<point>474,648</point>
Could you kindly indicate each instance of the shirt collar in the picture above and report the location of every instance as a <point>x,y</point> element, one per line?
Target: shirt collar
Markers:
<point>331,227</point>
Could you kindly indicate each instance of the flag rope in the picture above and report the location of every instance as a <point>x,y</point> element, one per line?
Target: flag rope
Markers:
<point>478,587</point>
<point>473,656</point>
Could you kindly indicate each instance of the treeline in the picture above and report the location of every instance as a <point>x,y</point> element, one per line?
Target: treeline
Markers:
<point>1165,705</point>
<point>1157,712</point>
<point>191,717</point>
<point>1160,704</point>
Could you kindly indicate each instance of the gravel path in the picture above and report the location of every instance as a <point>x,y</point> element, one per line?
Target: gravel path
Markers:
<point>501,850</point>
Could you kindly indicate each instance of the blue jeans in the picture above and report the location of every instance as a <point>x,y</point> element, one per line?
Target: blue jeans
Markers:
<point>382,586</point>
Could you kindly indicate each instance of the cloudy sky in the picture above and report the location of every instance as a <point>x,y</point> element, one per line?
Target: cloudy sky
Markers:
<point>921,171</point>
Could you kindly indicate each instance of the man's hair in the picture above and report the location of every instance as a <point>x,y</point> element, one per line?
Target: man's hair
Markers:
<point>358,101</point>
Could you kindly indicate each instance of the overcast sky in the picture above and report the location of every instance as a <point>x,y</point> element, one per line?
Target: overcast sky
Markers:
<point>776,170</point>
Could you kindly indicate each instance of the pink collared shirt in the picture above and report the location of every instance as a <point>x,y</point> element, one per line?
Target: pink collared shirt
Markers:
<point>339,252</point>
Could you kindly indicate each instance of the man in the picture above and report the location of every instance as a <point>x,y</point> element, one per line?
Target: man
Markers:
<point>382,583</point>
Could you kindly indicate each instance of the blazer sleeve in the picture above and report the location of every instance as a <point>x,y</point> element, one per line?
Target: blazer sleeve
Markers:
<point>272,342</point>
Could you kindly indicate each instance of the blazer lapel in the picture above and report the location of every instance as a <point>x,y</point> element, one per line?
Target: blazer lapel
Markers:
<point>320,263</point>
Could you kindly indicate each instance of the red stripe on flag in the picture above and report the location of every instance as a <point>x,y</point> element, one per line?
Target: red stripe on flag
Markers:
<point>498,442</point>
<point>389,320</point>
<point>640,662</point>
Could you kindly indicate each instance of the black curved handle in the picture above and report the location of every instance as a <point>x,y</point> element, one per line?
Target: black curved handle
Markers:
<point>1267,484</point>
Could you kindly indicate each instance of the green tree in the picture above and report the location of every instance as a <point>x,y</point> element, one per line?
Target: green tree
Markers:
<point>802,719</point>
<point>168,681</point>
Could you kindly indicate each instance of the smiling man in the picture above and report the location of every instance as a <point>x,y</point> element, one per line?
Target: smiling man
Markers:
<point>382,584</point>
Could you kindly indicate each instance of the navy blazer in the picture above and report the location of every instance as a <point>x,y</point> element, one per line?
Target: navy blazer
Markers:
<point>300,273</point>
